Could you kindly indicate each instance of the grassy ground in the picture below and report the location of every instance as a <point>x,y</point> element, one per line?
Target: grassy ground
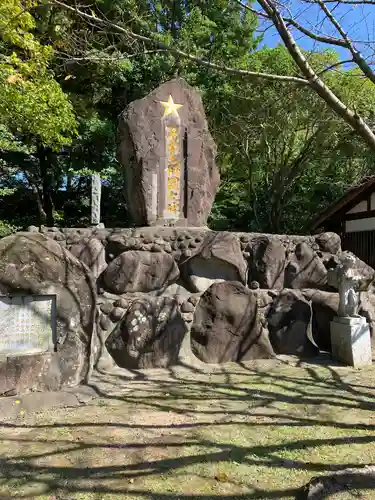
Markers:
<point>240,432</point>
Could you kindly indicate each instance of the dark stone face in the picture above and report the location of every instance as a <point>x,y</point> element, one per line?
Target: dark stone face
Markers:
<point>149,336</point>
<point>288,322</point>
<point>305,269</point>
<point>168,155</point>
<point>227,325</point>
<point>268,263</point>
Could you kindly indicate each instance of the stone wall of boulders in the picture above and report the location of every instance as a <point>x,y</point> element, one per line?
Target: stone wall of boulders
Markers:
<point>234,296</point>
<point>199,257</point>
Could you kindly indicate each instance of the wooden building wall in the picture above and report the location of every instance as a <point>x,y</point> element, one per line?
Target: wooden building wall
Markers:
<point>353,218</point>
<point>358,228</point>
<point>362,244</point>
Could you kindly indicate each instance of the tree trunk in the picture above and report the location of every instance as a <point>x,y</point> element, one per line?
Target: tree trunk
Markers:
<point>69,183</point>
<point>46,175</point>
<point>41,212</point>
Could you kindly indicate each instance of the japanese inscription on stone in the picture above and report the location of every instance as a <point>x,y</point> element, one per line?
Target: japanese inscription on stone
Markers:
<point>26,324</point>
<point>174,159</point>
<point>174,171</point>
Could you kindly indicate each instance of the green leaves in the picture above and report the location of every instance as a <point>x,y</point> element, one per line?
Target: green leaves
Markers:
<point>36,108</point>
<point>282,148</point>
<point>63,83</point>
<point>24,53</point>
<point>32,104</point>
<point>94,150</point>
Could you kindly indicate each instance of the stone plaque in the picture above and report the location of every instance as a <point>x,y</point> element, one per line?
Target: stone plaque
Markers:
<point>27,324</point>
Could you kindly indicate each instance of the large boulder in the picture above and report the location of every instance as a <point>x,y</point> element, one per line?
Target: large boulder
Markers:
<point>229,326</point>
<point>220,259</point>
<point>324,306</point>
<point>329,242</point>
<point>305,269</point>
<point>110,311</point>
<point>366,272</point>
<point>142,137</point>
<point>32,264</point>
<point>344,483</point>
<point>91,252</point>
<point>149,336</point>
<point>268,263</point>
<point>137,271</point>
<point>289,322</point>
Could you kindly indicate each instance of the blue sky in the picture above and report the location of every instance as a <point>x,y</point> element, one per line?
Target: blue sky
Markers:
<point>358,21</point>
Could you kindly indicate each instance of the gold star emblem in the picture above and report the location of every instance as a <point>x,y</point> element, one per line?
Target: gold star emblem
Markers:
<point>170,106</point>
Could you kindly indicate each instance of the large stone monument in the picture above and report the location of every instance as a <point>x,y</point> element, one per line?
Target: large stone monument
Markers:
<point>168,155</point>
<point>350,333</point>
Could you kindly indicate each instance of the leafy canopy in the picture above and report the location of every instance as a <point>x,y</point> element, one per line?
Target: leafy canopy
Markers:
<point>33,106</point>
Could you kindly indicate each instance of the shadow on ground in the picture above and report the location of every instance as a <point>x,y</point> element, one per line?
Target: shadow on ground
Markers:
<point>239,431</point>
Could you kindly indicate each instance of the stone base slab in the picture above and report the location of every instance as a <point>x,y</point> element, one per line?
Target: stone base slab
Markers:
<point>351,341</point>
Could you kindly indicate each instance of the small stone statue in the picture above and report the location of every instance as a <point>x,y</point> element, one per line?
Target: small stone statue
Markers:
<point>350,332</point>
<point>348,284</point>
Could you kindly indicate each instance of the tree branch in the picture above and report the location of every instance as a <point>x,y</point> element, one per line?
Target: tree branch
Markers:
<point>356,122</point>
<point>333,66</point>
<point>357,56</point>
<point>180,53</point>
<point>310,77</point>
<point>288,20</point>
<point>349,2</point>
<point>69,59</point>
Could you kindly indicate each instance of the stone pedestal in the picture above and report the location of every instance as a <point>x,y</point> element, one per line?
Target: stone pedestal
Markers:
<point>351,341</point>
